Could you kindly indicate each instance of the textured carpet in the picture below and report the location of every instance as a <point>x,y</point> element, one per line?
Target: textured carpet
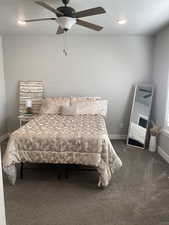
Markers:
<point>138,194</point>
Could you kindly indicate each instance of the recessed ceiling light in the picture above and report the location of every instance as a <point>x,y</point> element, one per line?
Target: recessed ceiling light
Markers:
<point>21,22</point>
<point>121,21</point>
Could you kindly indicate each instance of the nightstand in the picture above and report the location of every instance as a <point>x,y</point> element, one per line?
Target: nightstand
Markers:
<point>23,119</point>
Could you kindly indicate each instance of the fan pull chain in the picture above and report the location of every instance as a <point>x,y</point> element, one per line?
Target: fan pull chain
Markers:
<point>65,51</point>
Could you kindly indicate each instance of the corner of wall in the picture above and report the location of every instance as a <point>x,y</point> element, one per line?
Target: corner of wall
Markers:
<point>3,105</point>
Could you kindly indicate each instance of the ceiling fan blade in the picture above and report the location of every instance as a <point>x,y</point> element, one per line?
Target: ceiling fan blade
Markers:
<point>90,12</point>
<point>89,25</point>
<point>60,30</point>
<point>36,20</point>
<point>45,5</point>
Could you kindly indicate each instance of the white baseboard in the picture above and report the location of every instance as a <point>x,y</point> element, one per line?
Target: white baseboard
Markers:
<point>117,136</point>
<point>163,154</point>
<point>4,137</point>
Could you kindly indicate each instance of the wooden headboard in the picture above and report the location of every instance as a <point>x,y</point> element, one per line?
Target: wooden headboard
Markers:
<point>33,90</point>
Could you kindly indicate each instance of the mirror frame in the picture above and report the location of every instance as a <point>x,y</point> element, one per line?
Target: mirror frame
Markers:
<point>132,108</point>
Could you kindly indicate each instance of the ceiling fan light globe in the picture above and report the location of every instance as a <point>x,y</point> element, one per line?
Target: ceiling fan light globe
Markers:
<point>66,23</point>
<point>21,22</point>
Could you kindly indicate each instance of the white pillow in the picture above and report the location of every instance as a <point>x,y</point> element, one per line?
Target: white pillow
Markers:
<point>84,99</point>
<point>69,110</point>
<point>53,105</point>
<point>93,107</point>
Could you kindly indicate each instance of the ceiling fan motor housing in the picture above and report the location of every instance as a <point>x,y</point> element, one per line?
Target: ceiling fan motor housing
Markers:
<point>67,11</point>
<point>68,20</point>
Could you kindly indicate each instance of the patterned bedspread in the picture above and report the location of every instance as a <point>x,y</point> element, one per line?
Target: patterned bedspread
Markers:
<point>80,139</point>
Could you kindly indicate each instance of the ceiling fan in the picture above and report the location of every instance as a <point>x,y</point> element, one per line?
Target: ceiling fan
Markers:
<point>66,16</point>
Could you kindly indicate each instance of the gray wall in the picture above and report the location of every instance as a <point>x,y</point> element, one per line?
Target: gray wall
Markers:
<point>160,75</point>
<point>95,66</point>
<point>2,94</point>
<point>160,80</point>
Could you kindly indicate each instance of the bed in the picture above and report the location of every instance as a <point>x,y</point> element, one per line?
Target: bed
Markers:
<point>68,138</point>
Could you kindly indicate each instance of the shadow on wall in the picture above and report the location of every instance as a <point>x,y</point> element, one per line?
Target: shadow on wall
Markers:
<point>128,108</point>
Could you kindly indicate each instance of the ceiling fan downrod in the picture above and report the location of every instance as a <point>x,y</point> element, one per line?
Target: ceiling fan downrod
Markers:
<point>65,2</point>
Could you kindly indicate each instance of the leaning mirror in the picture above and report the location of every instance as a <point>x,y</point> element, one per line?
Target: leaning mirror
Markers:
<point>140,116</point>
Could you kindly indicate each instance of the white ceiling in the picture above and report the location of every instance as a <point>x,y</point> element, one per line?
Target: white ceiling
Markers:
<point>144,16</point>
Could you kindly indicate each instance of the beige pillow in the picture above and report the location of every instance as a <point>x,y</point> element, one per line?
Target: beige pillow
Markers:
<point>98,107</point>
<point>83,99</point>
<point>53,105</point>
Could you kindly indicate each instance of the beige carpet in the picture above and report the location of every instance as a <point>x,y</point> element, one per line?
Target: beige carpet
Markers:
<point>137,195</point>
